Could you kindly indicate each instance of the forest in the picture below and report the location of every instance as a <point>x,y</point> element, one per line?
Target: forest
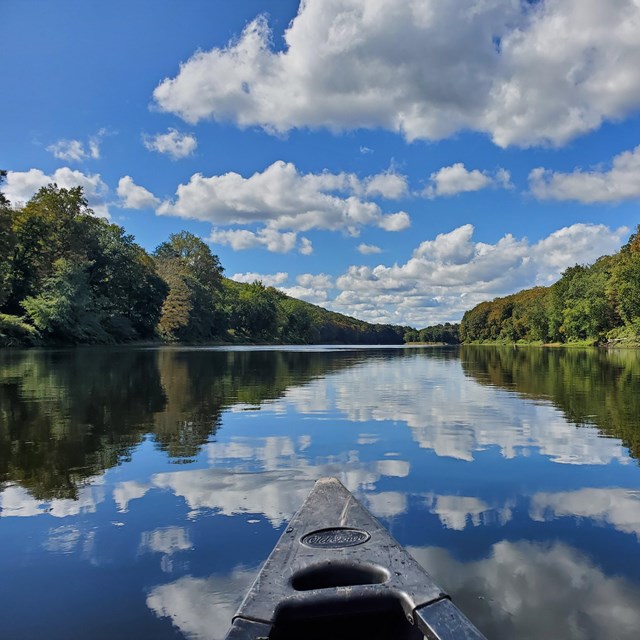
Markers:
<point>69,277</point>
<point>589,304</point>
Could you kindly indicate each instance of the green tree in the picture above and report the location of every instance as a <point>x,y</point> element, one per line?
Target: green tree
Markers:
<point>195,256</point>
<point>624,286</point>
<point>255,311</point>
<point>66,310</point>
<point>7,241</point>
<point>45,229</point>
<point>193,310</point>
<point>57,228</point>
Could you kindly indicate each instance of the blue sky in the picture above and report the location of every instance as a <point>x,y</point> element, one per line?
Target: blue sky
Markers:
<point>398,162</point>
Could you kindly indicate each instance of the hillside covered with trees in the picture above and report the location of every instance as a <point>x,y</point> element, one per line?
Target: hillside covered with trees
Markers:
<point>69,277</point>
<point>596,304</point>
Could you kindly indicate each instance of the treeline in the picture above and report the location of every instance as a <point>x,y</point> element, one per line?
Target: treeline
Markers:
<point>446,333</point>
<point>69,277</point>
<point>597,304</point>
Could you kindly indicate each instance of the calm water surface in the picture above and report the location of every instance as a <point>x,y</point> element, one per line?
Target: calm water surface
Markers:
<point>140,489</point>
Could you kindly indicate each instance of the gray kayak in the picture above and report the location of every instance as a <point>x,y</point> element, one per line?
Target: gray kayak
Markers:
<point>336,573</point>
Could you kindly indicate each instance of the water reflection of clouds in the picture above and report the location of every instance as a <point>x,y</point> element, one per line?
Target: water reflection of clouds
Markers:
<point>449,413</point>
<point>619,508</point>
<point>276,494</point>
<point>268,475</point>
<point>70,539</point>
<point>533,592</point>
<point>455,512</point>
<point>201,608</point>
<point>17,501</point>
<point>387,504</point>
<point>167,540</point>
<point>521,590</point>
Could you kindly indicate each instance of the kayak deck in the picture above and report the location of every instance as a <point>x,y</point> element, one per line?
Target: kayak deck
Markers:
<point>336,573</point>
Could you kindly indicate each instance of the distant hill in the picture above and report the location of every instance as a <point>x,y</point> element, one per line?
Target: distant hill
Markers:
<point>298,321</point>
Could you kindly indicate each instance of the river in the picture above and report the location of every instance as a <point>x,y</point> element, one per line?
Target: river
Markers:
<point>141,488</point>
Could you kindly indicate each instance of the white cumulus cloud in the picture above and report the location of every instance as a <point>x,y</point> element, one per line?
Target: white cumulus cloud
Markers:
<point>267,279</point>
<point>283,198</point>
<point>368,249</point>
<point>22,185</point>
<point>310,287</point>
<point>525,73</point>
<point>269,239</point>
<point>452,273</point>
<point>621,182</point>
<point>173,143</point>
<point>449,181</point>
<point>76,150</point>
<point>134,196</point>
<point>388,185</point>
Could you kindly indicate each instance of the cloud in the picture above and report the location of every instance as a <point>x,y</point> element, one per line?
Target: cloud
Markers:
<point>22,185</point>
<point>270,239</point>
<point>312,288</point>
<point>388,185</point>
<point>306,247</point>
<point>368,249</point>
<point>455,179</point>
<point>621,182</point>
<point>75,150</point>
<point>452,273</point>
<point>269,280</point>
<point>283,198</point>
<point>173,143</point>
<point>425,70</point>
<point>134,196</point>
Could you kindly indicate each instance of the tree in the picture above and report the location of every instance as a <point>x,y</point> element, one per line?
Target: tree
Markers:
<point>194,255</point>
<point>7,241</point>
<point>56,230</point>
<point>624,285</point>
<point>255,311</point>
<point>46,229</point>
<point>193,309</point>
<point>66,310</point>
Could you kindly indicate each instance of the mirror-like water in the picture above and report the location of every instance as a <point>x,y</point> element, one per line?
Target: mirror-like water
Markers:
<point>142,488</point>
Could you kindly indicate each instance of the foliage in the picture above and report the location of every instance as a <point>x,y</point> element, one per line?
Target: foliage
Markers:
<point>254,312</point>
<point>66,310</point>
<point>77,277</point>
<point>6,243</point>
<point>588,304</point>
<point>14,332</point>
<point>446,333</point>
<point>193,309</point>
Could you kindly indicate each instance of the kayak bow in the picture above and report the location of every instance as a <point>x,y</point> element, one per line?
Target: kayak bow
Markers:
<point>337,573</point>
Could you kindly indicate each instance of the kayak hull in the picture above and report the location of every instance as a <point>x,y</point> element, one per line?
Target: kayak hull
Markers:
<point>337,573</point>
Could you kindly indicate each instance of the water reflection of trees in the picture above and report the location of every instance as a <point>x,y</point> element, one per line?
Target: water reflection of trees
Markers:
<point>591,386</point>
<point>66,416</point>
